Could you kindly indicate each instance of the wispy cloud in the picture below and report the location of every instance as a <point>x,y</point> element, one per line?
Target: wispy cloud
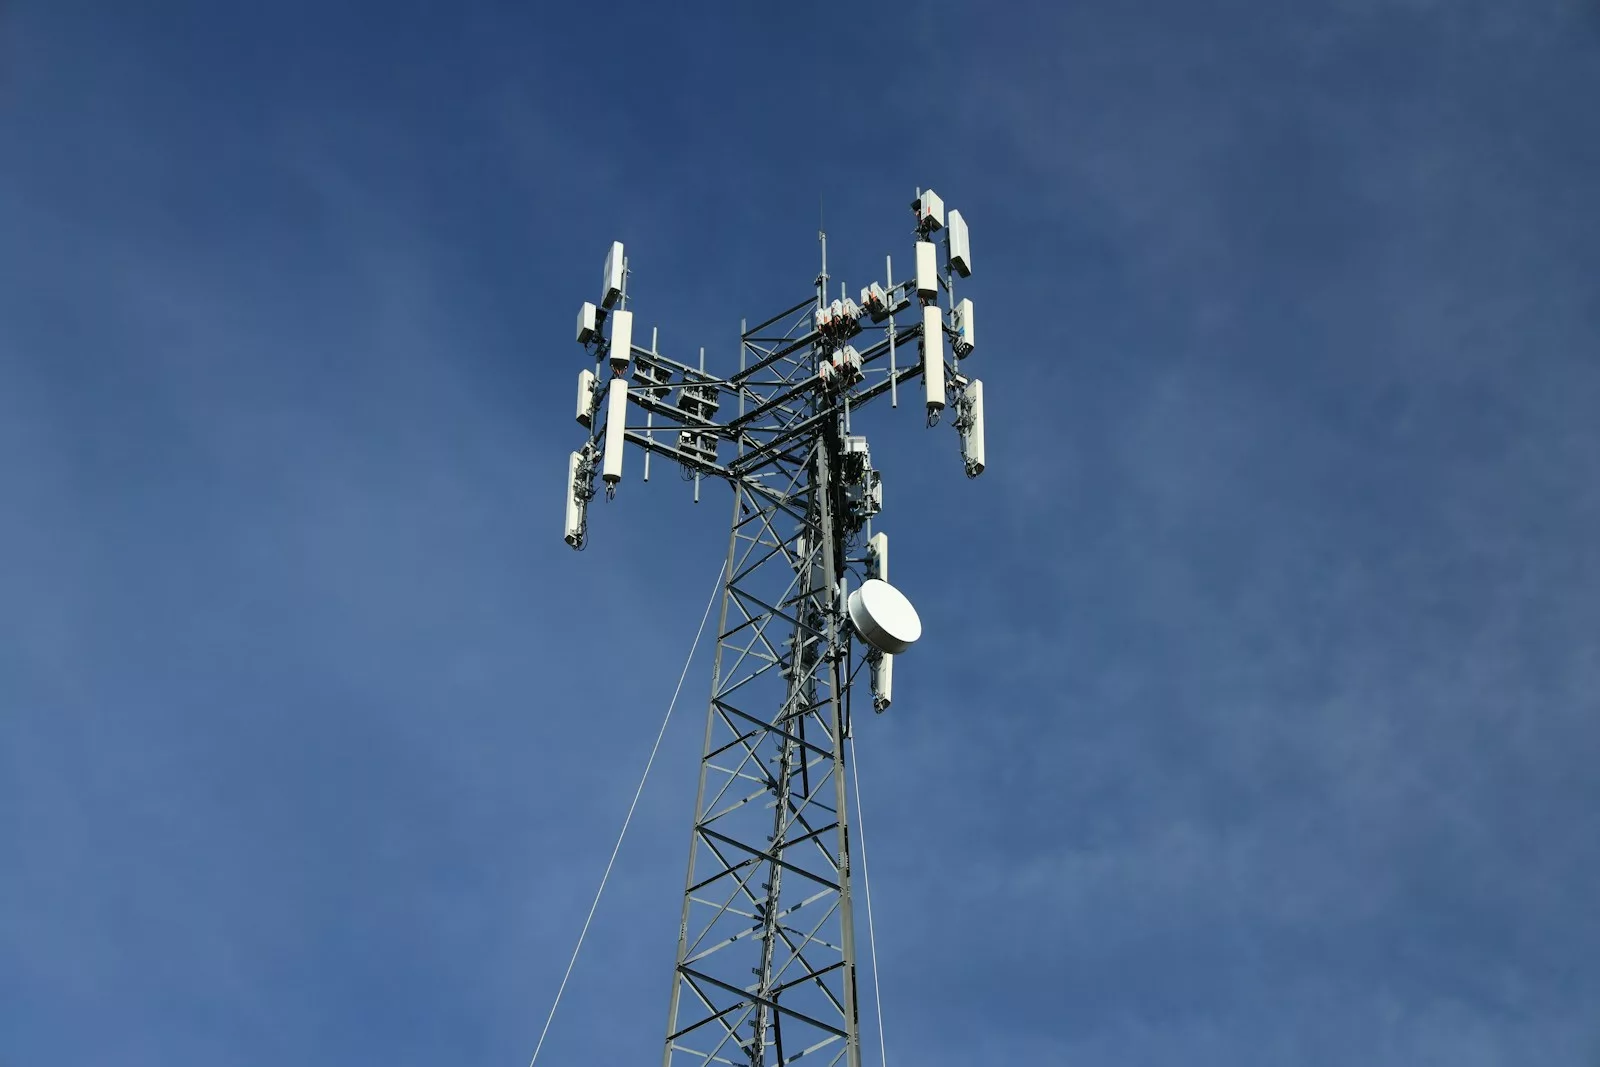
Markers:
<point>1255,719</point>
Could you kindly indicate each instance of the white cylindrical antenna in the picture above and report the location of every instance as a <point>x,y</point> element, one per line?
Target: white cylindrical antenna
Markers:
<point>966,331</point>
<point>933,357</point>
<point>611,286</point>
<point>960,245</point>
<point>972,431</point>
<point>697,470</point>
<point>649,434</point>
<point>894,382</point>
<point>650,416</point>
<point>585,398</point>
<point>616,419</point>
<point>621,340</point>
<point>927,271</point>
<point>588,322</point>
<point>574,502</point>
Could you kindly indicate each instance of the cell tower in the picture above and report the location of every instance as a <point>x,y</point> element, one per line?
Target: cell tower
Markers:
<point>766,962</point>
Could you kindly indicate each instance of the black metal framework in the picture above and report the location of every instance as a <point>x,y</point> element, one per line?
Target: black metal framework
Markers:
<point>765,972</point>
<point>766,958</point>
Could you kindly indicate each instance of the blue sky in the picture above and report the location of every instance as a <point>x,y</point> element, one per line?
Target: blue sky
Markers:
<point>1258,711</point>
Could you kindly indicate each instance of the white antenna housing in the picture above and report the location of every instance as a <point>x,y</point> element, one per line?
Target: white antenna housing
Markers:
<point>654,379</point>
<point>574,503</point>
<point>878,556</point>
<point>847,365</point>
<point>621,340</point>
<point>883,682</point>
<point>966,334</point>
<point>585,398</point>
<point>611,287</point>
<point>972,429</point>
<point>588,322</point>
<point>933,356</point>
<point>930,210</point>
<point>960,245</point>
<point>927,271</point>
<point>883,663</point>
<point>875,301</point>
<point>883,616</point>
<point>616,419</point>
<point>701,446</point>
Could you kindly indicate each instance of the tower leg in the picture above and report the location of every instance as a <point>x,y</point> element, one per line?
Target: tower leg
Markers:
<point>765,969</point>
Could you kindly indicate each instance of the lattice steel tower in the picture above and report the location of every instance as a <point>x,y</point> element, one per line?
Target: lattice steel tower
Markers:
<point>766,964</point>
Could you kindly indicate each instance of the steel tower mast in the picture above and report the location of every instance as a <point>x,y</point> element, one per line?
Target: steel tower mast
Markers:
<point>766,966</point>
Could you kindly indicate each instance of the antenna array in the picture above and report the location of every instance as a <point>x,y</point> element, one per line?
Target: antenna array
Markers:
<point>766,967</point>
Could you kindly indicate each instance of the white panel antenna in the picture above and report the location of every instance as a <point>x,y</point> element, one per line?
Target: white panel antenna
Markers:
<point>878,556</point>
<point>930,211</point>
<point>883,682</point>
<point>875,302</point>
<point>621,340</point>
<point>882,663</point>
<point>588,322</point>
<point>933,357</point>
<point>575,504</point>
<point>616,418</point>
<point>927,271</point>
<point>971,426</point>
<point>611,287</point>
<point>966,334</point>
<point>585,398</point>
<point>960,245</point>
